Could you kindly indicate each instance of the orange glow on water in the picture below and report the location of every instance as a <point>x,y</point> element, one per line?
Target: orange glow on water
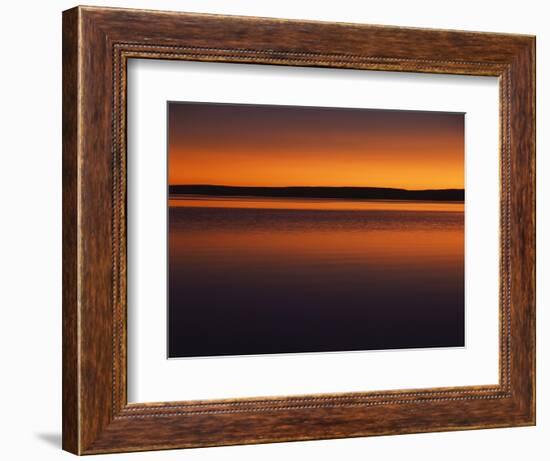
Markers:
<point>313,204</point>
<point>416,246</point>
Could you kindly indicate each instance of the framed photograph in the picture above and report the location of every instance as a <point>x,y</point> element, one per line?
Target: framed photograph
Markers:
<point>281,230</point>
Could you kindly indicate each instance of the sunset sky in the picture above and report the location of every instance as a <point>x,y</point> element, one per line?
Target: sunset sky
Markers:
<point>252,145</point>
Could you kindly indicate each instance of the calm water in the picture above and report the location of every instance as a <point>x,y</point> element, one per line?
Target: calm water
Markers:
<point>251,276</point>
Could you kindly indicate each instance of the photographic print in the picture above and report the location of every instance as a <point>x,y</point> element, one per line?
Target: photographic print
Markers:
<point>296,229</point>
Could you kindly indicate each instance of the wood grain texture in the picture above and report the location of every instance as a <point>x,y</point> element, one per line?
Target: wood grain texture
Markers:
<point>70,383</point>
<point>97,43</point>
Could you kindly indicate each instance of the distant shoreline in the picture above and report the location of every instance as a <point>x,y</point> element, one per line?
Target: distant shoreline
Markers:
<point>321,192</point>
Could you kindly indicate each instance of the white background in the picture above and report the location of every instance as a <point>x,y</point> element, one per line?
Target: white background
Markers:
<point>152,378</point>
<point>30,247</point>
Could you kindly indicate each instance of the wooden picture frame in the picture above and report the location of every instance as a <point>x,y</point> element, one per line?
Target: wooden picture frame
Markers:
<point>97,43</point>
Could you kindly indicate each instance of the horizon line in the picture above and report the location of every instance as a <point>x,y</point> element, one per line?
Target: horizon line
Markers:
<point>318,187</point>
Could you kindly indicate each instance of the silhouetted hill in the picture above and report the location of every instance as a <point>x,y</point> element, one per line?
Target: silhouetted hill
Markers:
<point>349,193</point>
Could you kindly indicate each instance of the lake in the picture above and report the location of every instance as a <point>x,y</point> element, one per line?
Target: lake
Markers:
<point>267,276</point>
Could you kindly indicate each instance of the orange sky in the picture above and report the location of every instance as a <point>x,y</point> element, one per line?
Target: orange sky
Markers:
<point>252,145</point>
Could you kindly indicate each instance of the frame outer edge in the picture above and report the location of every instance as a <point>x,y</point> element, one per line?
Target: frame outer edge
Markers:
<point>70,177</point>
<point>523,241</point>
<point>91,418</point>
<point>534,211</point>
<point>533,181</point>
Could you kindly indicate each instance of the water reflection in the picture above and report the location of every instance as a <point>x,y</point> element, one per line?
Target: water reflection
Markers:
<point>257,276</point>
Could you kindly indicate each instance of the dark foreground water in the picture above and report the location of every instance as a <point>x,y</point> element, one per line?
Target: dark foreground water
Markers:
<point>289,277</point>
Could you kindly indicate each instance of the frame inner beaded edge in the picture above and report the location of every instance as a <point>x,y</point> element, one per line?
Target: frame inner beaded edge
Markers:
<point>121,409</point>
